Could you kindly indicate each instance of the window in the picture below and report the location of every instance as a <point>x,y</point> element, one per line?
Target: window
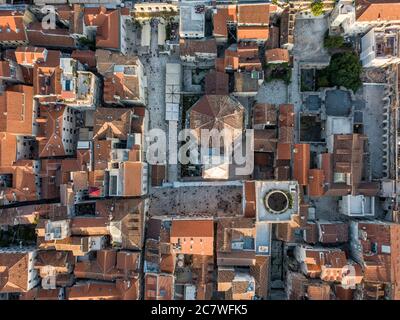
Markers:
<point>113,185</point>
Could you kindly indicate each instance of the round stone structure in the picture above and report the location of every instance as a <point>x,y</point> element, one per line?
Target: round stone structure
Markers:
<point>276,201</point>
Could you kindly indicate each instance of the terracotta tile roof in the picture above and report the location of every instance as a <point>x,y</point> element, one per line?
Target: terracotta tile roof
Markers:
<point>250,199</point>
<point>109,265</point>
<point>16,104</point>
<point>377,10</point>
<point>265,140</point>
<point>112,123</point>
<point>274,38</point>
<point>233,229</point>
<point>128,214</point>
<point>282,172</point>
<point>262,274</point>
<point>244,82</point>
<point>167,263</point>
<point>50,134</point>
<point>324,263</point>
<point>264,114</point>
<point>286,135</point>
<point>12,26</point>
<point>158,174</point>
<point>252,33</point>
<point>158,286</point>
<point>342,293</point>
<point>224,15</point>
<point>326,166</point>
<point>316,180</point>
<point>263,159</point>
<point>47,75</point>
<point>89,226</point>
<point>302,217</point>
<point>87,57</point>
<point>108,26</point>
<point>320,291</point>
<point>311,232</point>
<point>190,47</point>
<point>286,115</point>
<point>277,55</point>
<point>333,232</point>
<point>225,276</point>
<point>14,271</point>
<point>217,83</point>
<point>132,178</point>
<point>107,60</point>
<point>54,38</point>
<point>285,232</point>
<point>43,294</point>
<point>23,182</point>
<point>120,290</point>
<point>301,163</point>
<point>50,176</point>
<point>63,260</point>
<point>217,112</point>
<point>121,86</point>
<point>194,236</point>
<point>5,70</point>
<point>284,151</point>
<point>30,55</point>
<point>192,228</point>
<point>72,16</point>
<point>19,215</point>
<point>81,163</point>
<point>379,266</point>
<point>236,258</point>
<point>8,149</point>
<point>257,14</point>
<point>348,157</point>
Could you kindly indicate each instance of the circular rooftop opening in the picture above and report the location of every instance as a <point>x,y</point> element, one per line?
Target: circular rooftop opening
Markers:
<point>276,201</point>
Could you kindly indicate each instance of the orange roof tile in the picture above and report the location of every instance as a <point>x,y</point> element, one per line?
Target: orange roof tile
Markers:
<point>158,286</point>
<point>252,33</point>
<point>301,163</point>
<point>377,10</point>
<point>193,236</point>
<point>224,15</point>
<point>50,133</point>
<point>12,26</point>
<point>284,151</point>
<point>16,106</point>
<point>5,70</point>
<point>108,26</point>
<point>133,178</point>
<point>277,55</point>
<point>14,272</point>
<point>316,180</point>
<point>120,290</point>
<point>286,115</point>
<point>8,149</point>
<point>56,38</point>
<point>87,57</point>
<point>217,83</point>
<point>30,55</point>
<point>251,14</point>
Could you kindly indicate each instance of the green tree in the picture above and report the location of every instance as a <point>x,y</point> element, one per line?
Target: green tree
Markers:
<point>332,42</point>
<point>344,70</point>
<point>317,7</point>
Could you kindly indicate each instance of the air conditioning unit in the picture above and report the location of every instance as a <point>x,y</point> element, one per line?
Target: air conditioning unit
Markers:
<point>49,236</point>
<point>237,245</point>
<point>263,249</point>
